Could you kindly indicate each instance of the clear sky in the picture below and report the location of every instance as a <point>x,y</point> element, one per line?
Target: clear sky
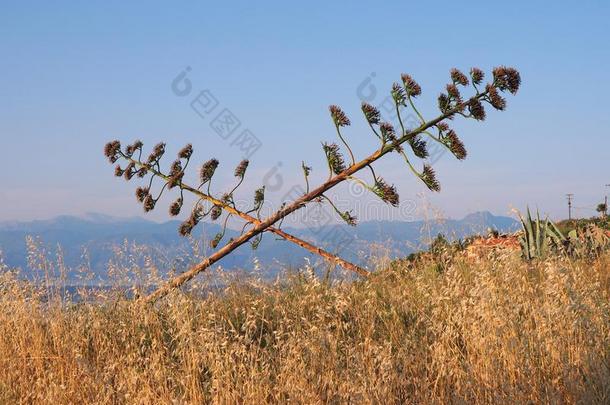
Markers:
<point>76,74</point>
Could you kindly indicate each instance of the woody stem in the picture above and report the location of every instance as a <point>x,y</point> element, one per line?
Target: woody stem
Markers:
<point>306,245</point>
<point>299,203</point>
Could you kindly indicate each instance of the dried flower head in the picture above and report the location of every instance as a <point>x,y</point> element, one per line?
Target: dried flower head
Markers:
<point>207,170</point>
<point>455,145</point>
<point>259,197</point>
<point>453,92</point>
<point>476,109</point>
<point>240,170</point>
<point>129,171</point>
<point>175,207</point>
<point>386,192</point>
<point>175,168</point>
<point>442,126</point>
<point>350,219</point>
<point>157,153</point>
<point>306,169</point>
<point>387,132</point>
<point>513,80</point>
<point>185,228</point>
<point>371,113</point>
<point>507,78</point>
<point>338,116</point>
<point>214,242</point>
<point>142,172</point>
<point>429,178</point>
<point>444,104</point>
<point>186,152</point>
<point>334,158</point>
<point>216,212</point>
<point>419,147</point>
<point>398,94</point>
<point>142,193</point>
<point>111,150</point>
<point>458,77</point>
<point>118,171</point>
<point>131,149</point>
<point>477,75</point>
<point>196,214</point>
<point>495,99</point>
<point>413,89</point>
<point>460,106</point>
<point>149,203</point>
<point>226,198</point>
<point>175,174</point>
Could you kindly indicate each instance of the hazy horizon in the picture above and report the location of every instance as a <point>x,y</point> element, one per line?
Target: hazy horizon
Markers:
<point>99,216</point>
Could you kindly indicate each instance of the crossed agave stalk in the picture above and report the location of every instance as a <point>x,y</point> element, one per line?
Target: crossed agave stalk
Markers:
<point>451,104</point>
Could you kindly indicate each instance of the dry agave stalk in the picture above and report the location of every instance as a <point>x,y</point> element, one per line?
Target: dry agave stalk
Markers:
<point>451,104</point>
<point>151,167</point>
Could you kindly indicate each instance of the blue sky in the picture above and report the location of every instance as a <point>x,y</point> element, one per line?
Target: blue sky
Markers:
<point>75,75</point>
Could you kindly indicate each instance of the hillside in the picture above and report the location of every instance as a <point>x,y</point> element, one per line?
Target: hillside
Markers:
<point>496,331</point>
<point>100,236</point>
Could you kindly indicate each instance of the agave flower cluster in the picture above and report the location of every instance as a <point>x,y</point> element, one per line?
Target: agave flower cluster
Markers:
<point>173,179</point>
<point>451,103</point>
<point>412,145</point>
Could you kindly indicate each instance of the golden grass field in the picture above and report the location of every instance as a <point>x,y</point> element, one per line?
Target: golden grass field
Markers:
<point>500,331</point>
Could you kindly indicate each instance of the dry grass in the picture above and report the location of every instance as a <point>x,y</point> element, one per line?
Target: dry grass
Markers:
<point>499,331</point>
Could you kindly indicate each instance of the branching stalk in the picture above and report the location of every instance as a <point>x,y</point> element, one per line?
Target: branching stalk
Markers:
<point>255,222</point>
<point>451,104</point>
<point>300,202</point>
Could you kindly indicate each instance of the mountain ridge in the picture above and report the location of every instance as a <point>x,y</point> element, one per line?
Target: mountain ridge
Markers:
<point>100,234</point>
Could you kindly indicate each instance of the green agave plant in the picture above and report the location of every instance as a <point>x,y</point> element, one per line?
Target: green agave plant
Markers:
<point>539,237</point>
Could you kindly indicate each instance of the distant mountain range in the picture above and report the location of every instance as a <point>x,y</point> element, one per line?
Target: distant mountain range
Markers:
<point>103,238</point>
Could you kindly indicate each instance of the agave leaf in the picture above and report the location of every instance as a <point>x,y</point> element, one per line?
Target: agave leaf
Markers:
<point>525,248</point>
<point>539,236</point>
<point>529,230</point>
<point>558,233</point>
<point>526,240</point>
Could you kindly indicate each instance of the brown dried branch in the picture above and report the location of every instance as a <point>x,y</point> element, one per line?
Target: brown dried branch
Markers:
<point>450,105</point>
